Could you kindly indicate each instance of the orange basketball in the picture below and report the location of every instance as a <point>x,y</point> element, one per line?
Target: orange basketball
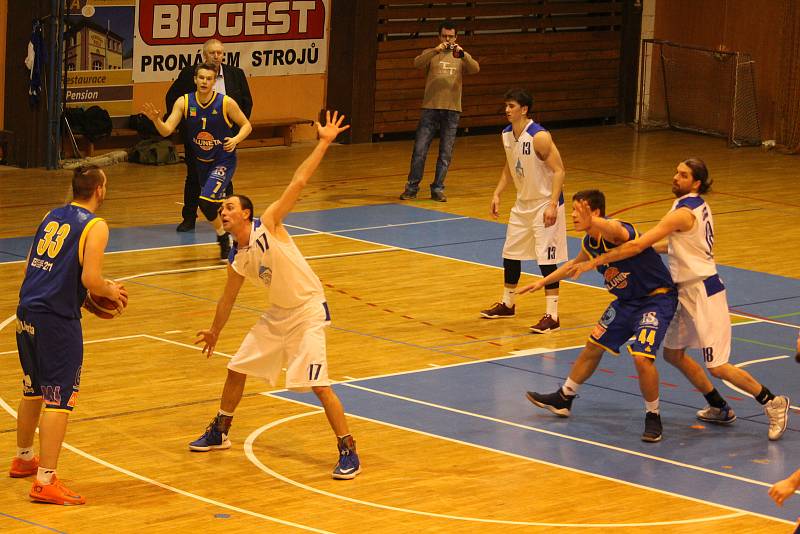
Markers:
<point>103,307</point>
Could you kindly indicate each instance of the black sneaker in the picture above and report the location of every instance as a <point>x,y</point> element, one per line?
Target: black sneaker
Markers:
<point>408,195</point>
<point>652,427</point>
<point>224,245</point>
<point>557,402</point>
<point>185,226</point>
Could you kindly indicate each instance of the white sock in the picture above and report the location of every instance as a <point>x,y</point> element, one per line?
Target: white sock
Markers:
<point>552,305</point>
<point>226,414</point>
<point>45,476</point>
<point>651,406</point>
<point>220,231</point>
<point>570,387</point>
<point>26,453</point>
<point>508,296</point>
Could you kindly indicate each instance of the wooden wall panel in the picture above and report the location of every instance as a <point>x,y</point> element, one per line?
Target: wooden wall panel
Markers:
<point>737,25</point>
<point>567,54</point>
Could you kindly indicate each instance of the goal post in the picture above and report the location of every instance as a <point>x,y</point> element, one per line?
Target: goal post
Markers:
<point>698,89</point>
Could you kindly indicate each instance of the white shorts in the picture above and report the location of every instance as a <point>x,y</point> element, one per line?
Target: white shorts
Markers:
<point>290,337</point>
<point>702,321</point>
<point>528,239</point>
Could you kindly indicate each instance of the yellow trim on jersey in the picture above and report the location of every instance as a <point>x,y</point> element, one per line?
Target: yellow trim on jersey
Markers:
<point>31,397</point>
<point>211,199</point>
<point>637,353</point>
<point>62,410</point>
<point>225,110</point>
<point>205,160</point>
<point>82,242</point>
<point>592,340</point>
<point>213,97</point>
<point>659,291</point>
<point>185,105</point>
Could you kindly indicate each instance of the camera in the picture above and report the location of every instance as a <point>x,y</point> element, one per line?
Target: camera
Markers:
<point>456,51</point>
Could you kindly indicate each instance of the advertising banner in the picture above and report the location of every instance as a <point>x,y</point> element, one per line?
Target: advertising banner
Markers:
<point>98,55</point>
<point>263,38</point>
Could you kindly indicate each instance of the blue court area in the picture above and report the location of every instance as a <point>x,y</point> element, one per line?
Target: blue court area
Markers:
<point>483,403</point>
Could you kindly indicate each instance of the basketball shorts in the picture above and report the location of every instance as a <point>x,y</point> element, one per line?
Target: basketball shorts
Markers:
<point>527,238</point>
<point>287,337</point>
<point>702,321</point>
<point>215,176</point>
<point>645,319</point>
<point>51,354</point>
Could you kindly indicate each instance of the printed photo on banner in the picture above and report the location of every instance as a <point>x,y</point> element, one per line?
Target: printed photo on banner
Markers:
<point>99,55</point>
<point>263,38</point>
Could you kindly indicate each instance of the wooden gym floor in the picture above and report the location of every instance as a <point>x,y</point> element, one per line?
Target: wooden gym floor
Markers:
<point>447,440</point>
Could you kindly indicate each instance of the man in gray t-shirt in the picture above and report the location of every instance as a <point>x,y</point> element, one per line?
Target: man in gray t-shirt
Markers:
<point>441,108</point>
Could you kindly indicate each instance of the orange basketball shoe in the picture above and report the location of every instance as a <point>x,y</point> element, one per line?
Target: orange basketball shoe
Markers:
<point>55,493</point>
<point>23,468</point>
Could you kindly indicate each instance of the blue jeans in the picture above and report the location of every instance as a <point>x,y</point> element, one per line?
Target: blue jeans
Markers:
<point>446,121</point>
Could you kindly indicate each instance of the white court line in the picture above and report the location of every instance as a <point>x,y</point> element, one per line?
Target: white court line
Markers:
<point>751,362</point>
<point>379,227</point>
<point>167,487</point>
<point>248,448</point>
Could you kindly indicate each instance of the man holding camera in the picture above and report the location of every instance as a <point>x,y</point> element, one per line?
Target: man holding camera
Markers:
<point>441,108</point>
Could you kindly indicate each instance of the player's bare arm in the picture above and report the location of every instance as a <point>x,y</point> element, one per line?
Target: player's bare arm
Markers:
<point>92,273</point>
<point>165,128</point>
<point>237,116</point>
<point>547,151</point>
<point>274,214</point>
<point>780,491</point>
<point>556,276</point>
<point>505,176</point>
<point>674,221</point>
<point>610,230</point>
<point>225,304</point>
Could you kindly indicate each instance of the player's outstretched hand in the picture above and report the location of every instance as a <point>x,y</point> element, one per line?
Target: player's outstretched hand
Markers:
<point>577,269</point>
<point>333,126</point>
<point>152,112</point>
<point>209,340</point>
<point>780,491</point>
<point>532,288</point>
<point>584,214</point>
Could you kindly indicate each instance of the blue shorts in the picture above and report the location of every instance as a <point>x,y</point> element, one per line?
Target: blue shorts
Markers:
<point>51,354</point>
<point>214,176</point>
<point>645,319</point>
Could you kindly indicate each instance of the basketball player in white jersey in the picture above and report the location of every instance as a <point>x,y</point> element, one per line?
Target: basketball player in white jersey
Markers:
<point>537,225</point>
<point>291,332</point>
<point>702,320</point>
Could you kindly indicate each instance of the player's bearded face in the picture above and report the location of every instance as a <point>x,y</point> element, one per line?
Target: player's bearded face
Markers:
<point>683,181</point>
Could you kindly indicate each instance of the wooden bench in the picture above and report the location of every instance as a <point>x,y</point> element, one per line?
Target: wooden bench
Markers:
<point>273,132</point>
<point>266,132</point>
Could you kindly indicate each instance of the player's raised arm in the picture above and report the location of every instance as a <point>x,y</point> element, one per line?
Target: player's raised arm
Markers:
<point>165,128</point>
<point>274,214</point>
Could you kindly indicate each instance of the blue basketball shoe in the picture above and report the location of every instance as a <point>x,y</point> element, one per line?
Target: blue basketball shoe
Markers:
<point>211,440</point>
<point>349,465</point>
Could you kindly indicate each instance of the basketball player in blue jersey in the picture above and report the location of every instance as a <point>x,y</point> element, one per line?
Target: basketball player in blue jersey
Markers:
<point>65,260</point>
<point>208,117</point>
<point>537,224</point>
<point>645,304</point>
<point>702,320</point>
<point>291,333</point>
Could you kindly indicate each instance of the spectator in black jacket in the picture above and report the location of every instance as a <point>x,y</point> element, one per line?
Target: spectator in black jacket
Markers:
<point>231,81</point>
